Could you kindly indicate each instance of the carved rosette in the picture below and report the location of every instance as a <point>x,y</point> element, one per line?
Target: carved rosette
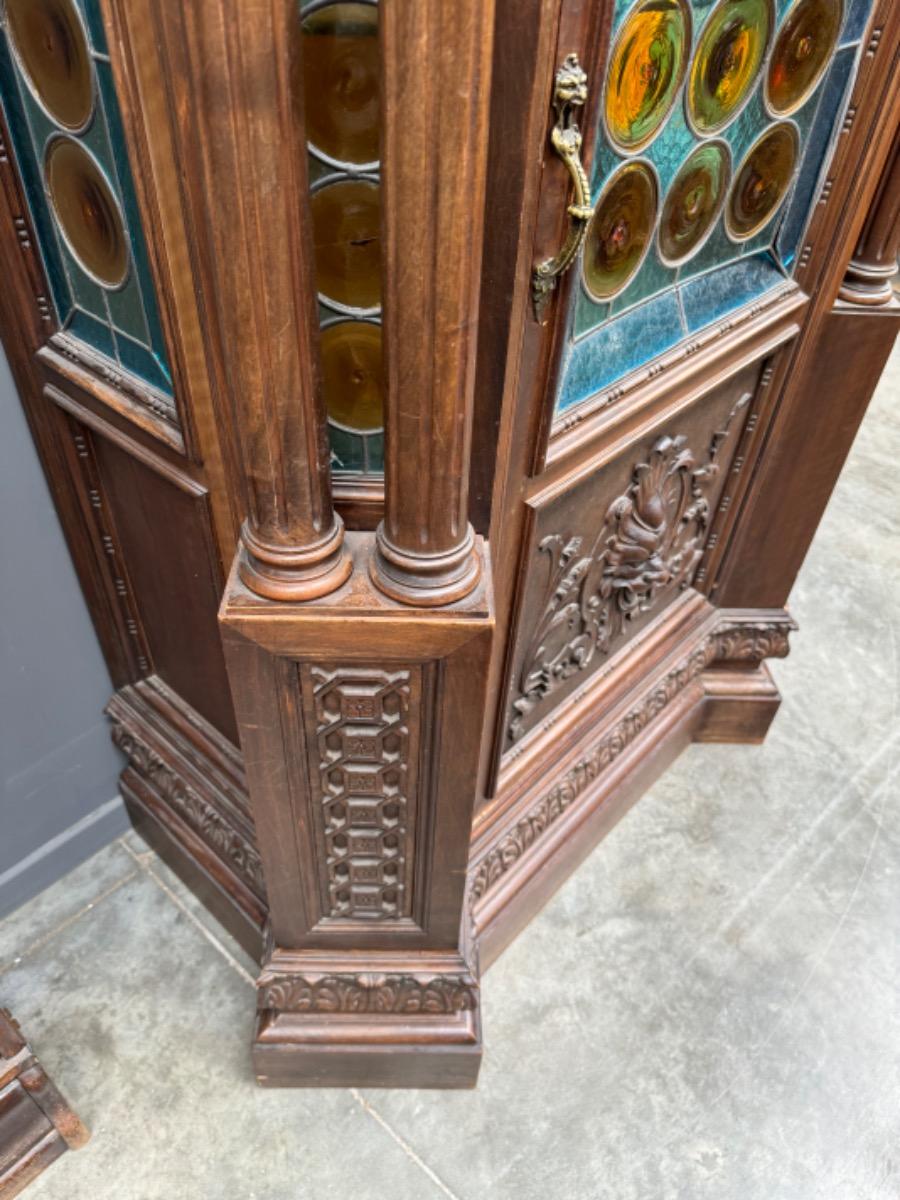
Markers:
<point>363,776</point>
<point>746,642</point>
<point>199,814</point>
<point>650,543</point>
<point>396,994</point>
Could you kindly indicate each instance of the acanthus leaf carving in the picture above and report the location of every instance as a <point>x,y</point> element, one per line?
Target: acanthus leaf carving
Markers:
<point>198,813</point>
<point>397,994</point>
<point>651,540</point>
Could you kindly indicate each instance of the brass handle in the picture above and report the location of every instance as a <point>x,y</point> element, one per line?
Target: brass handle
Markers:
<point>569,93</point>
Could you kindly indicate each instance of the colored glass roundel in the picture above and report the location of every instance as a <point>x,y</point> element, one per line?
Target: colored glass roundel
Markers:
<point>86,211</point>
<point>346,231</point>
<point>727,61</point>
<point>620,230</point>
<point>340,78</point>
<point>694,201</point>
<point>762,181</point>
<point>352,375</point>
<point>804,44</point>
<point>646,69</point>
<point>50,44</point>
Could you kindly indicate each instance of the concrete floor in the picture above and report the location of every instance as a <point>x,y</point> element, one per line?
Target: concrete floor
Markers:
<point>710,1008</point>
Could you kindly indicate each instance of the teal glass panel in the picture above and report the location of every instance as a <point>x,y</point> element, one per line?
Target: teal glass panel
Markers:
<point>79,185</point>
<point>610,339</point>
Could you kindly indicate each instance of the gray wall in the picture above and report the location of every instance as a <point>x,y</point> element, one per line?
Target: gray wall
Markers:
<point>58,767</point>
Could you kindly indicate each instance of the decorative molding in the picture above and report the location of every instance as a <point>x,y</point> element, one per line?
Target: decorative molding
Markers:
<point>744,642</point>
<point>197,812</point>
<point>671,358</point>
<point>362,781</point>
<point>651,539</point>
<point>133,641</point>
<point>395,994</point>
<point>96,364</point>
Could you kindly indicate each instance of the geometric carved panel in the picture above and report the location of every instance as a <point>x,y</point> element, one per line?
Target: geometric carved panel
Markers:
<point>612,550</point>
<point>363,753</point>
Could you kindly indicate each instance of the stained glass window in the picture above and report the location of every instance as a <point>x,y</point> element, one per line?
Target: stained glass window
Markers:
<point>717,121</point>
<point>340,71</point>
<point>64,121</point>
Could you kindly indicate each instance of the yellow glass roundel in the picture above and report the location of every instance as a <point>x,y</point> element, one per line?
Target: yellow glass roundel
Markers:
<point>50,45</point>
<point>620,230</point>
<point>340,79</point>
<point>727,61</point>
<point>86,211</point>
<point>352,375</point>
<point>804,44</point>
<point>646,69</point>
<point>762,181</point>
<point>693,201</point>
<point>347,236</point>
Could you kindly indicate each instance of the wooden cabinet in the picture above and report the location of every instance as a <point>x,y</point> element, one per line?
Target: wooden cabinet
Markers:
<point>486,367</point>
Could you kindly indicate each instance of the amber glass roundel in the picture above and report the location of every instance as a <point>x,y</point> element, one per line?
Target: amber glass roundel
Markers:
<point>646,69</point>
<point>727,61</point>
<point>620,230</point>
<point>693,201</point>
<point>86,211</point>
<point>345,218</point>
<point>804,44</point>
<point>352,374</point>
<point>50,45</point>
<point>762,181</point>
<point>340,78</point>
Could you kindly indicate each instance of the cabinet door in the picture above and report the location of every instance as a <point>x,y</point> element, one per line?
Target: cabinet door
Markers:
<point>698,161</point>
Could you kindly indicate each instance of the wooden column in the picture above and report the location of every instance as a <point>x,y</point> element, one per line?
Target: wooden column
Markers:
<point>234,70</point>
<point>435,63</point>
<point>874,262</point>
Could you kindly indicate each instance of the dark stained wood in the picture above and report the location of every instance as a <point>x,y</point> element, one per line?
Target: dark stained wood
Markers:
<point>434,159</point>
<point>434,728</point>
<point>248,196</point>
<point>36,1123</point>
<point>874,263</point>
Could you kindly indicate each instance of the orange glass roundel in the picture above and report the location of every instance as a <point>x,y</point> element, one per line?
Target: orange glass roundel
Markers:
<point>352,375</point>
<point>693,201</point>
<point>646,69</point>
<point>805,42</point>
<point>50,45</point>
<point>727,61</point>
<point>86,211</point>
<point>762,181</point>
<point>620,230</point>
<point>340,78</point>
<point>347,236</point>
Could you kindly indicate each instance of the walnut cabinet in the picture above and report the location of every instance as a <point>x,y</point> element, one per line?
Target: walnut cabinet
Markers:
<point>439,398</point>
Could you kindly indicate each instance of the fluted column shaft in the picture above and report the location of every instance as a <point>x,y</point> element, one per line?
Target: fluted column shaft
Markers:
<point>874,262</point>
<point>434,157</point>
<point>240,107</point>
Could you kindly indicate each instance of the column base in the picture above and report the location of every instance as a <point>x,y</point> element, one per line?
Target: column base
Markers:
<point>406,1023</point>
<point>291,573</point>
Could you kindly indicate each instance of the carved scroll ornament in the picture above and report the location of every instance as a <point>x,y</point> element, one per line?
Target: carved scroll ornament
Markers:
<point>651,539</point>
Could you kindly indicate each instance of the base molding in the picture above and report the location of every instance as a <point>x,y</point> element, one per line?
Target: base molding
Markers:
<point>712,687</point>
<point>379,1020</point>
<point>185,792</point>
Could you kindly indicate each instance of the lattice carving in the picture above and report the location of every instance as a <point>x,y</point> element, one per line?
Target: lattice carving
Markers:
<point>363,752</point>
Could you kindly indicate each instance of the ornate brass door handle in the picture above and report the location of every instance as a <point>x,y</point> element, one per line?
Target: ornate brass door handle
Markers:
<point>569,93</point>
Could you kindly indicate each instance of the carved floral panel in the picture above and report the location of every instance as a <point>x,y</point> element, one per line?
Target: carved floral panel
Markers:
<point>609,554</point>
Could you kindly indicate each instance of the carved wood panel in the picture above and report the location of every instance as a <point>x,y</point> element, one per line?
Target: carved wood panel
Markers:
<point>363,734</point>
<point>609,552</point>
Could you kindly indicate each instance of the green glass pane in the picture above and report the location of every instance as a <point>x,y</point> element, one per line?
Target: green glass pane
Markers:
<point>727,61</point>
<point>620,230</point>
<point>694,201</point>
